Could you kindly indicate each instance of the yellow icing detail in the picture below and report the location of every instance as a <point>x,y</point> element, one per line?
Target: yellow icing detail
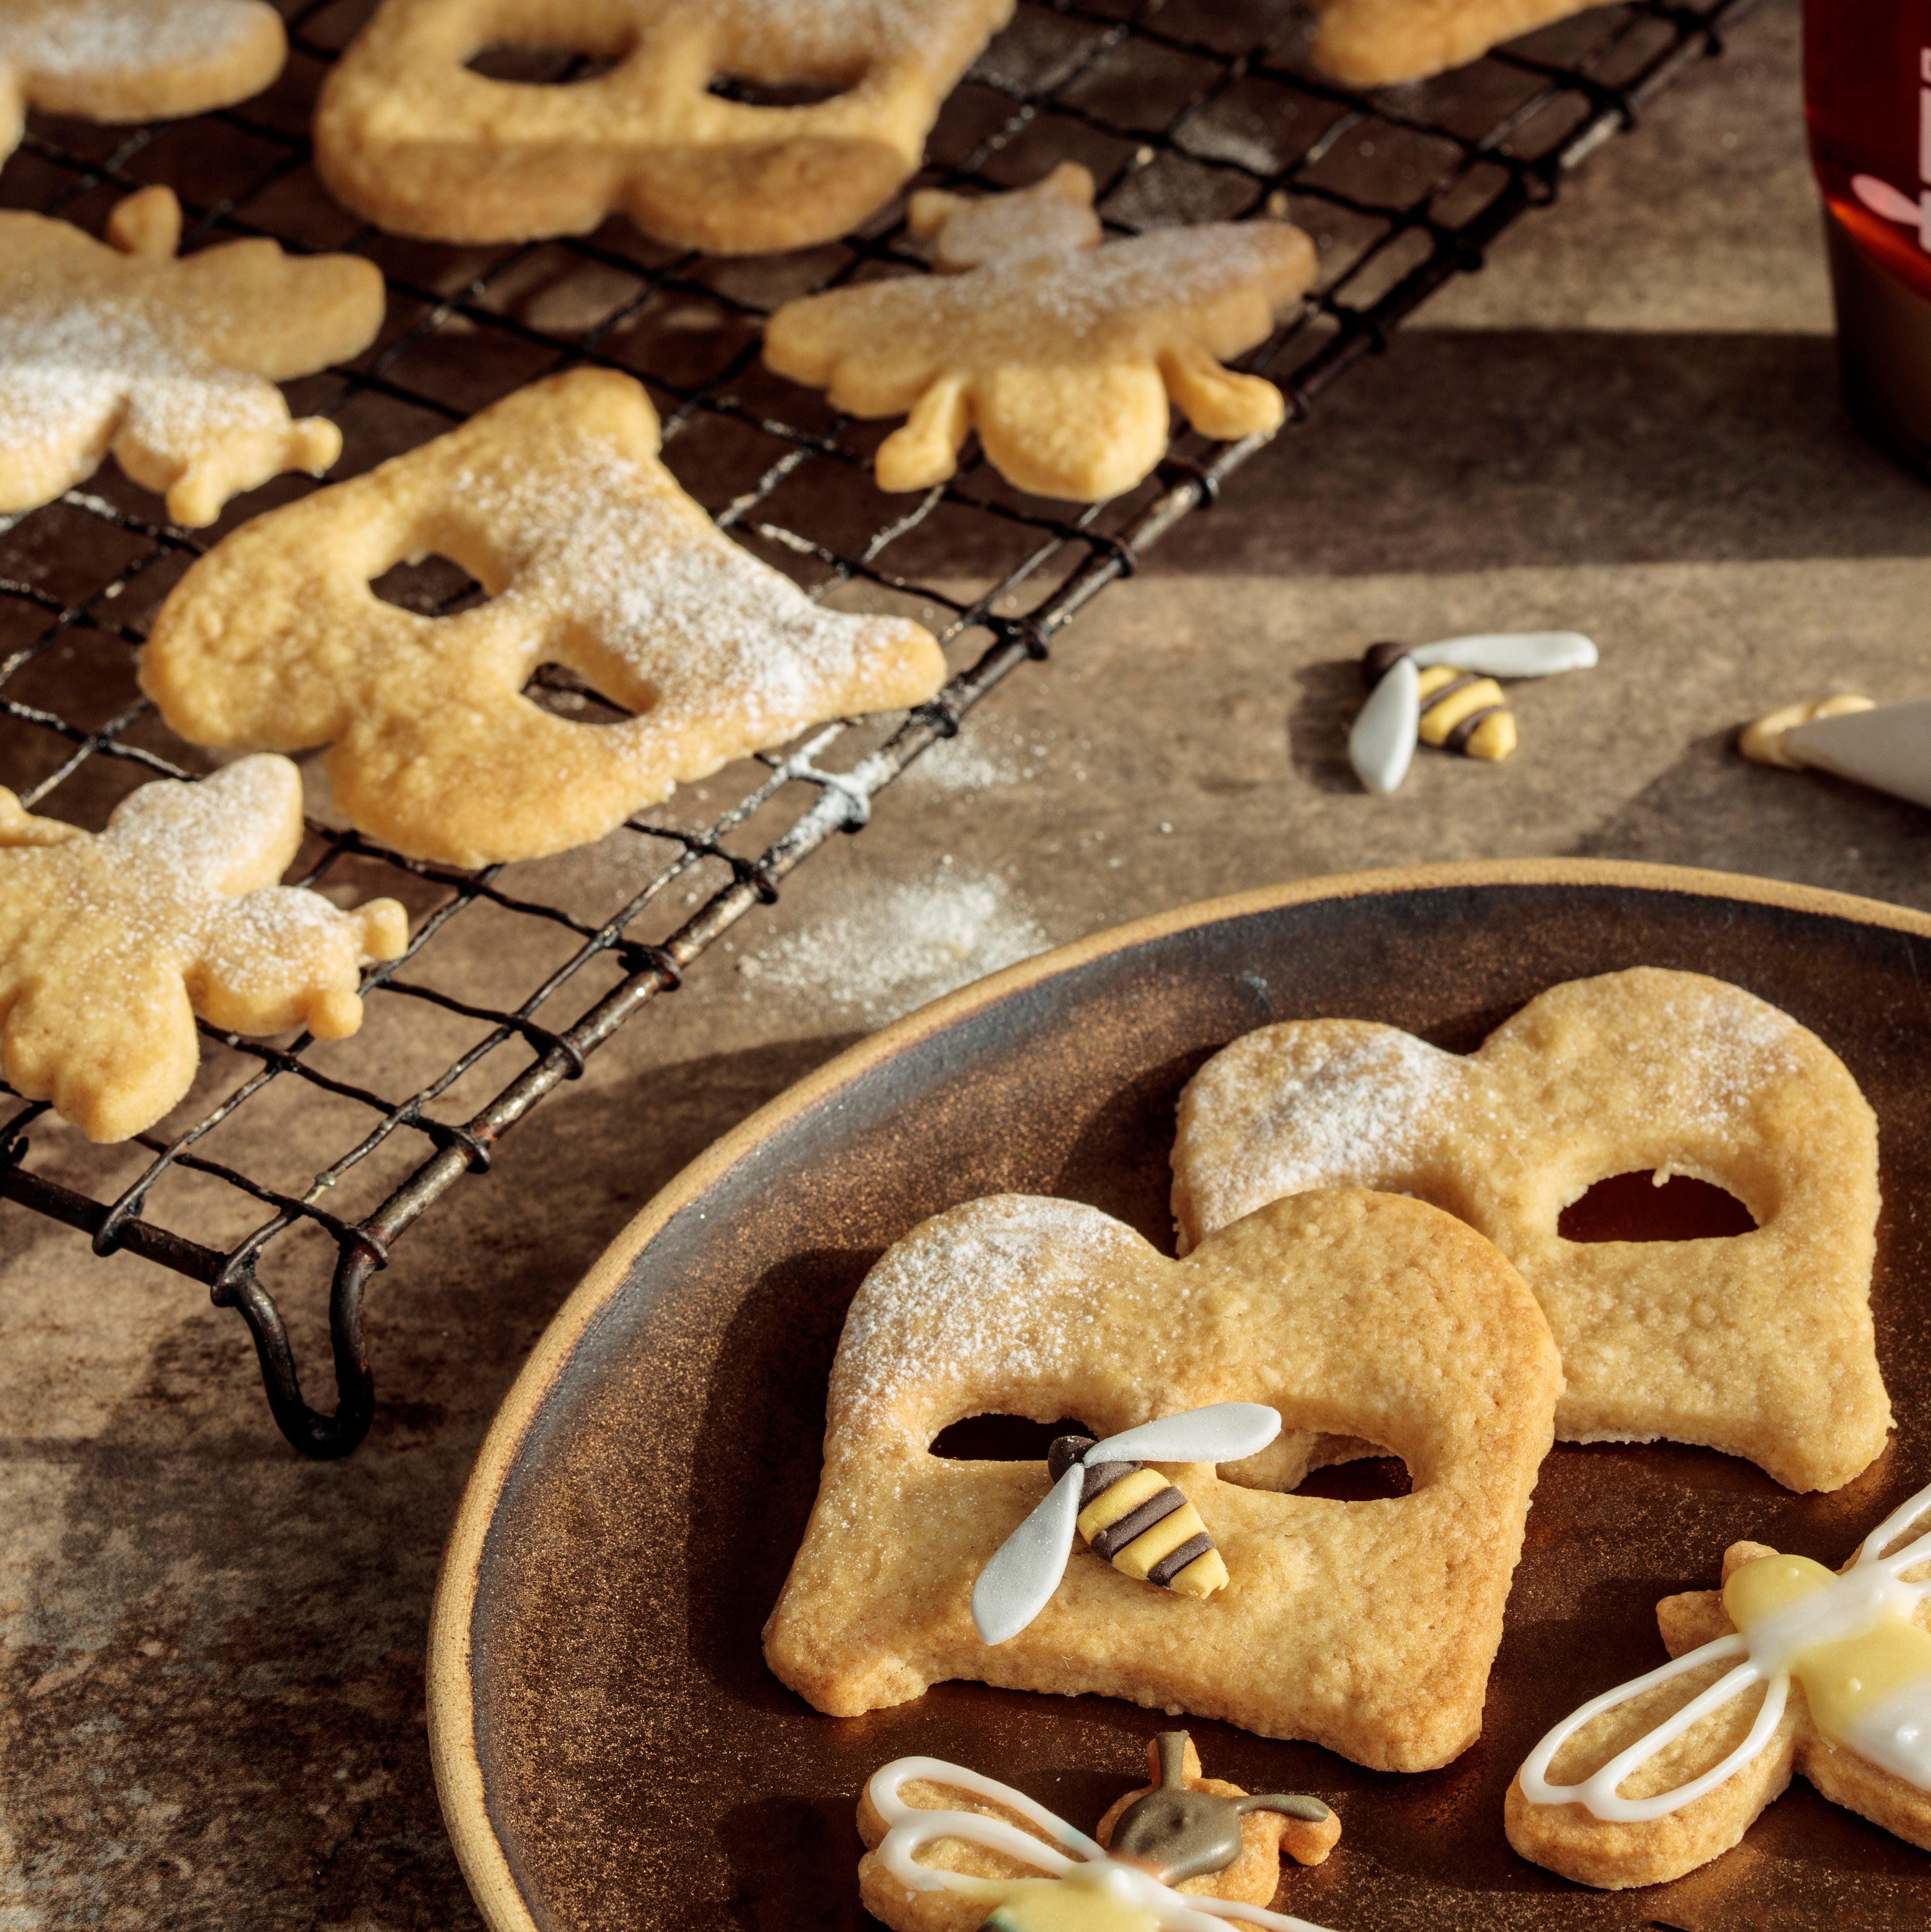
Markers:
<point>1166,1536</point>
<point>1437,720</point>
<point>1201,1577</point>
<point>1493,739</point>
<point>1074,1903</point>
<point>1432,679</point>
<point>1128,1493</point>
<point>1842,1680</point>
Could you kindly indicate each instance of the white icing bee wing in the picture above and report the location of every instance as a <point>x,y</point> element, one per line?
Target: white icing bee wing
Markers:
<point>1018,1582</point>
<point>1224,1432</point>
<point>1383,740</point>
<point>1511,653</point>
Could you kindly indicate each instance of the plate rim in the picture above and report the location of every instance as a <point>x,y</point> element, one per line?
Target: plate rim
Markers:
<point>449,1699</point>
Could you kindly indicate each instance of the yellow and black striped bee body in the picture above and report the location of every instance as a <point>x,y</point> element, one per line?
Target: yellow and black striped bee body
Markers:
<point>1131,1515</point>
<point>1461,710</point>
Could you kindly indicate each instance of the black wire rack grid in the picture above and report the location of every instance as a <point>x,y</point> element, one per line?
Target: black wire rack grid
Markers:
<point>1185,110</point>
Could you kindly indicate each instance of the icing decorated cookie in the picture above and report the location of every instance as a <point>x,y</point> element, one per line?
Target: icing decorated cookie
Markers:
<point>407,135</point>
<point>1790,1666</point>
<point>1758,1344</point>
<point>949,1850</point>
<point>1377,43</point>
<point>1367,1627</point>
<point>170,364</point>
<point>1886,746</point>
<point>555,501</point>
<point>109,945</point>
<point>132,60</point>
<point>1060,349</point>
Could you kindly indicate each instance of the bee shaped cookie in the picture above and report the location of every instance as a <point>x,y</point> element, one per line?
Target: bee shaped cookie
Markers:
<point>1790,1666</point>
<point>110,944</point>
<point>1758,1344</point>
<point>1060,349</point>
<point>1367,1627</point>
<point>1378,43</point>
<point>943,1843</point>
<point>132,60</point>
<point>169,363</point>
<point>555,501</point>
<point>408,136</point>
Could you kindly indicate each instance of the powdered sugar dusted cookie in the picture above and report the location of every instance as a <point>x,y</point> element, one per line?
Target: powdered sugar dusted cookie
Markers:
<point>170,364</point>
<point>554,500</point>
<point>943,1843</point>
<point>1375,43</point>
<point>1789,1666</point>
<point>1060,349</point>
<point>1759,1344</point>
<point>407,135</point>
<point>1367,1627</point>
<point>110,945</point>
<point>132,60</point>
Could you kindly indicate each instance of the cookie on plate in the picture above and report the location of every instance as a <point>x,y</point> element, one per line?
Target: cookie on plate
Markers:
<point>554,500</point>
<point>1758,1344</point>
<point>1367,1627</point>
<point>1377,43</point>
<point>132,60</point>
<point>407,134</point>
<point>169,363</point>
<point>1061,349</point>
<point>110,944</point>
<point>1789,1666</point>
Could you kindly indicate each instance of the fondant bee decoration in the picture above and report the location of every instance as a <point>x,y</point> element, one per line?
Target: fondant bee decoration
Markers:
<point>1446,694</point>
<point>1132,1516</point>
<point>1081,1886</point>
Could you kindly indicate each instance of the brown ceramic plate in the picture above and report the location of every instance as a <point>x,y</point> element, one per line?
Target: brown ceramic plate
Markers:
<point>610,1750</point>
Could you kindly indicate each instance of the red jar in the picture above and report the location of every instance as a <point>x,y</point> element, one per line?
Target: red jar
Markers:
<point>1867,89</point>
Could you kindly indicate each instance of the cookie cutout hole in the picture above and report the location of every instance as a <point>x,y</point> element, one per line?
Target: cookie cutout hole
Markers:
<point>429,587</point>
<point>1371,1479</point>
<point>1001,1439</point>
<point>1632,1208</point>
<point>1346,1469</point>
<point>779,93</point>
<point>539,67</point>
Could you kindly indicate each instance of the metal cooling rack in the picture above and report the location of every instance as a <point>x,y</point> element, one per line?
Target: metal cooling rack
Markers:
<point>1189,109</point>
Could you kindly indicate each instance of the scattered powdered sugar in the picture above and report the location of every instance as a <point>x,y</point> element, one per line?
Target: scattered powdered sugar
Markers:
<point>1714,1049</point>
<point>70,37</point>
<point>607,554</point>
<point>981,1296</point>
<point>1349,1113</point>
<point>906,943</point>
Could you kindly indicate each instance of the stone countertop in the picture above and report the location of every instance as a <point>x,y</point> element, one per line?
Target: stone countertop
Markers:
<point>211,1689</point>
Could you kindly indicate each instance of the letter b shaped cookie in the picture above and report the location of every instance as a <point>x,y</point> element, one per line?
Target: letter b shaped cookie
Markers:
<point>1758,1344</point>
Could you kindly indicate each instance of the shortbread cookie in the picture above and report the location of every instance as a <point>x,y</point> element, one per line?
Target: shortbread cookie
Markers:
<point>1367,1627</point>
<point>109,945</point>
<point>407,135</point>
<point>1789,1666</point>
<point>555,501</point>
<point>170,364</point>
<point>1060,349</point>
<point>132,60</point>
<point>918,1876</point>
<point>1376,43</point>
<point>1758,1344</point>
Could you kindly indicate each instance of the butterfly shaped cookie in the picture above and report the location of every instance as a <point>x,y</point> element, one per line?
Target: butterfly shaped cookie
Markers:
<point>132,60</point>
<point>111,944</point>
<point>408,134</point>
<point>1378,43</point>
<point>554,500</point>
<point>1759,1344</point>
<point>1061,349</point>
<point>1367,1627</point>
<point>170,364</point>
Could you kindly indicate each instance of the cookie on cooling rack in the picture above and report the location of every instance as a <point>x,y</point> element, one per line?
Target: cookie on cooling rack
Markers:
<point>1758,1344</point>
<point>169,362</point>
<point>110,944</point>
<point>1060,349</point>
<point>408,136</point>
<point>1378,43</point>
<point>554,500</point>
<point>132,60</point>
<point>1369,1629</point>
